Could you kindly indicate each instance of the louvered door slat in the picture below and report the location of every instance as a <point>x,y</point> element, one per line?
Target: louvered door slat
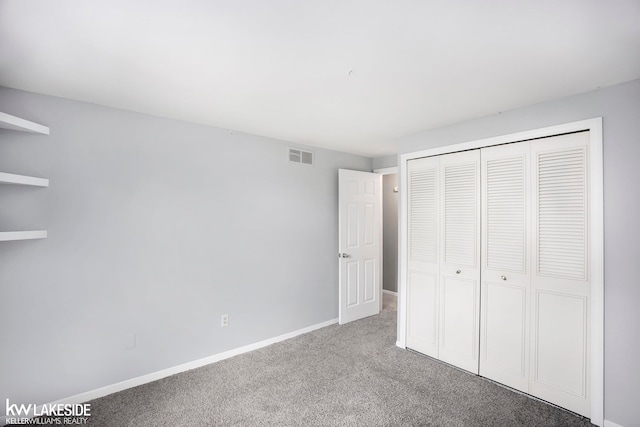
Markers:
<point>562,214</point>
<point>422,215</point>
<point>504,342</point>
<point>460,226</point>
<point>560,280</point>
<point>460,264</point>
<point>423,276</point>
<point>505,201</point>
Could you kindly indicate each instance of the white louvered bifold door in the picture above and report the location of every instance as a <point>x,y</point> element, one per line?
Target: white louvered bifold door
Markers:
<point>423,264</point>
<point>560,281</point>
<point>527,323</point>
<point>505,290</point>
<point>459,290</point>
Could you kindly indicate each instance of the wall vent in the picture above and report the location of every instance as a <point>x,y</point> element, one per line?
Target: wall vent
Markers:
<point>300,156</point>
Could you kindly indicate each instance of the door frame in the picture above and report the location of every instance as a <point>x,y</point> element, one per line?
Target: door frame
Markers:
<point>596,231</point>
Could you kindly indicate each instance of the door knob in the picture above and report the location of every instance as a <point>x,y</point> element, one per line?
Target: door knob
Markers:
<point>503,277</point>
<point>343,255</point>
<point>458,271</point>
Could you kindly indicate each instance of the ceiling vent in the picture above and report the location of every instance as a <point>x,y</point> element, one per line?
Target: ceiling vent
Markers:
<point>300,156</point>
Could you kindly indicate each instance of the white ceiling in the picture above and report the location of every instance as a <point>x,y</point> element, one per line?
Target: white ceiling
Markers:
<point>351,75</point>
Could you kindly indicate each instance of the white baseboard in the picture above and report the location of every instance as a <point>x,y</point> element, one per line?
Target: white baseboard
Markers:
<point>384,291</point>
<point>608,423</point>
<point>154,376</point>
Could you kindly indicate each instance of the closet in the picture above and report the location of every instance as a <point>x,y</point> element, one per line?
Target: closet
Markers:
<point>498,277</point>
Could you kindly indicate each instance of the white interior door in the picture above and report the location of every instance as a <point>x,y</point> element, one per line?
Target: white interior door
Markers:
<point>459,293</point>
<point>360,239</point>
<point>505,272</point>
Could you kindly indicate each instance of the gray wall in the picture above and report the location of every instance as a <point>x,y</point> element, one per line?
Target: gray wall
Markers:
<point>620,108</point>
<point>390,232</point>
<point>156,228</point>
<point>385,161</point>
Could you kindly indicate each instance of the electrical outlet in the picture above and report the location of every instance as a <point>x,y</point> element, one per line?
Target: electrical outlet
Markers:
<point>224,320</point>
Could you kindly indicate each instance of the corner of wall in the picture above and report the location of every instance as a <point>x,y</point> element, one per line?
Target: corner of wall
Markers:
<point>385,161</point>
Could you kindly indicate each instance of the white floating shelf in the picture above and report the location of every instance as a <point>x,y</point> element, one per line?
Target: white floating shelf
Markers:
<point>6,236</point>
<point>9,178</point>
<point>7,121</point>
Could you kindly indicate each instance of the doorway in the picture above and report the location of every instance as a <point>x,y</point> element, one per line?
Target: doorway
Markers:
<point>390,192</point>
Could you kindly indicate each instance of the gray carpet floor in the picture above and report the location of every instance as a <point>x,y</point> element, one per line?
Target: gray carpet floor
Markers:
<point>349,375</point>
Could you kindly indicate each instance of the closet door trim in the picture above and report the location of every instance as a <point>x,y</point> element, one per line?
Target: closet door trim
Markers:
<point>596,232</point>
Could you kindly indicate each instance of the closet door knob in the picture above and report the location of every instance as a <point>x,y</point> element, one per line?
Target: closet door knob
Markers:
<point>503,277</point>
<point>458,271</point>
